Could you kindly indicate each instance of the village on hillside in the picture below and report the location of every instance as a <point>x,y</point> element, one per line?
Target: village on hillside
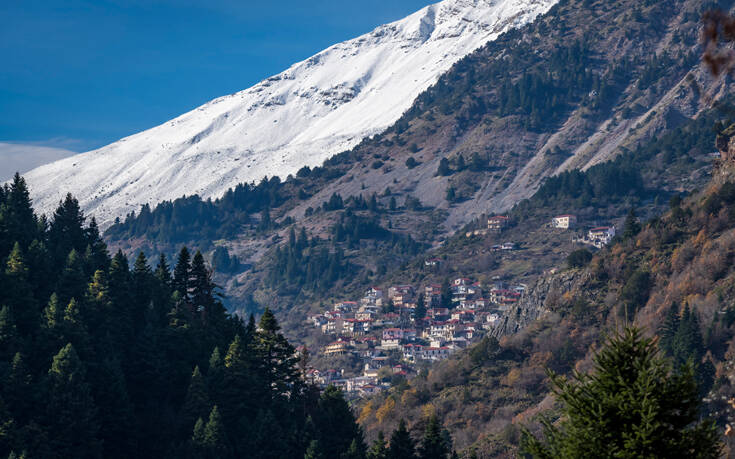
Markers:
<point>395,331</point>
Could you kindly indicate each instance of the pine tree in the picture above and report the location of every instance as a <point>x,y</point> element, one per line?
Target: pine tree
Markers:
<point>41,273</point>
<point>71,413</point>
<point>420,312</point>
<point>115,414</point>
<point>53,313</point>
<point>74,328</point>
<point>203,294</point>
<point>314,451</point>
<point>182,273</point>
<point>201,281</point>
<point>277,354</point>
<point>9,339</point>
<point>444,168</point>
<point>19,393</point>
<point>163,271</point>
<point>240,391</point>
<point>119,322</point>
<point>96,256</point>
<point>214,436</point>
<point>378,450</point>
<point>631,226</point>
<point>373,203</point>
<point>21,221</point>
<point>460,163</point>
<point>668,329</point>
<point>401,444</point>
<point>688,343</point>
<point>73,282</point>
<point>451,194</point>
<point>355,451</point>
<point>53,328</point>
<point>215,376</point>
<point>433,445</point>
<point>631,405</point>
<point>73,320</point>
<point>197,437</point>
<point>143,284</point>
<point>197,403</point>
<point>145,369</point>
<point>98,292</point>
<point>17,292</point>
<point>265,219</point>
<point>8,428</point>
<point>336,424</point>
<point>269,436</point>
<point>120,280</point>
<point>99,312</point>
<point>163,290</point>
<point>66,232</point>
<point>446,294</point>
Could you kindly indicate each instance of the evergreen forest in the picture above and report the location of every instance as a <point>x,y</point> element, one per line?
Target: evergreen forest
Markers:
<point>101,358</point>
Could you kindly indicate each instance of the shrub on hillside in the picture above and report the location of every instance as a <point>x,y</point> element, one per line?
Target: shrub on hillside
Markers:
<point>579,258</point>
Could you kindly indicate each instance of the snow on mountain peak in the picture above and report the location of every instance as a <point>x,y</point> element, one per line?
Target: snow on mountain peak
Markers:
<point>316,108</point>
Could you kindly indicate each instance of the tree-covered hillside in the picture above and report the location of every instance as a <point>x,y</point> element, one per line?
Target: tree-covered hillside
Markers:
<point>102,359</point>
<point>671,276</point>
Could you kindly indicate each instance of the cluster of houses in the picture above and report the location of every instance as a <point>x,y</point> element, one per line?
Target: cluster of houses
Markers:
<point>384,326</point>
<point>599,236</point>
<point>392,331</point>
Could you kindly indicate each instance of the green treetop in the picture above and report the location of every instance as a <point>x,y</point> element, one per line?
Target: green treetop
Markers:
<point>631,405</point>
<point>433,445</point>
<point>401,445</point>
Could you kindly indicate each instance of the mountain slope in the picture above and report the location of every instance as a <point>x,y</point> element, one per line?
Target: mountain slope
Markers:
<point>673,277</point>
<point>315,109</point>
<point>567,91</point>
<point>501,120</point>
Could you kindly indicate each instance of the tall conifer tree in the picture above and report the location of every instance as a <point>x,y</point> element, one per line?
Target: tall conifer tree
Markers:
<point>433,445</point>
<point>71,414</point>
<point>182,272</point>
<point>632,405</point>
<point>21,221</point>
<point>379,449</point>
<point>72,282</point>
<point>401,444</point>
<point>17,292</point>
<point>66,232</point>
<point>197,403</point>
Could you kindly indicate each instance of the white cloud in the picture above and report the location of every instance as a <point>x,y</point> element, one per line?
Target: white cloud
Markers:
<point>18,157</point>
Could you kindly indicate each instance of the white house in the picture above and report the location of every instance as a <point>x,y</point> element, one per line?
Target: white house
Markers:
<point>564,221</point>
<point>497,223</point>
<point>436,353</point>
<point>601,236</point>
<point>432,262</point>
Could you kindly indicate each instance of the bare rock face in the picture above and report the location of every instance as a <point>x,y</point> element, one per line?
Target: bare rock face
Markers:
<point>540,299</point>
<point>724,166</point>
<point>725,144</point>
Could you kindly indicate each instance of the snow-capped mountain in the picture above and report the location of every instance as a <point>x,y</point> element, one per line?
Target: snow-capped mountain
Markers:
<point>302,116</point>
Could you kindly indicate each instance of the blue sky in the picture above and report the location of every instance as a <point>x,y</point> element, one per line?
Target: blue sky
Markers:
<point>77,74</point>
